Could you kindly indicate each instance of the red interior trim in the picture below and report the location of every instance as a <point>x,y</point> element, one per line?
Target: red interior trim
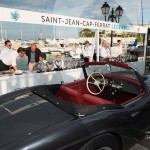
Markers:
<point>69,94</point>
<point>93,100</point>
<point>76,92</point>
<point>113,63</point>
<point>130,100</point>
<point>95,63</point>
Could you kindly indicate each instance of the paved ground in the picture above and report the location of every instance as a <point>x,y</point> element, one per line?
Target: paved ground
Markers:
<point>138,147</point>
<point>143,145</point>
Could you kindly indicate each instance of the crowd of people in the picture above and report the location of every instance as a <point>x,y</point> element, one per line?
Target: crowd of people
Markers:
<point>37,59</point>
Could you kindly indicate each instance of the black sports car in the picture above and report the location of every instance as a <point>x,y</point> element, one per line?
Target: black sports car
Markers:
<point>108,110</point>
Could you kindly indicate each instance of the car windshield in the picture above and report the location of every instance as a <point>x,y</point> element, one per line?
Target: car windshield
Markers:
<point>108,69</point>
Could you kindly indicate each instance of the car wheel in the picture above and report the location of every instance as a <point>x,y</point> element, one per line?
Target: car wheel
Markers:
<point>105,142</point>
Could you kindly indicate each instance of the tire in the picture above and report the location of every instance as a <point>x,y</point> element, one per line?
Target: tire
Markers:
<point>105,142</point>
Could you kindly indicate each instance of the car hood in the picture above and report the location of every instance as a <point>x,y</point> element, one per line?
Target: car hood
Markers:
<point>26,114</point>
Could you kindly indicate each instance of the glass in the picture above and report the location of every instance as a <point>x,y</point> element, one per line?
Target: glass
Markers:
<point>119,11</point>
<point>105,8</point>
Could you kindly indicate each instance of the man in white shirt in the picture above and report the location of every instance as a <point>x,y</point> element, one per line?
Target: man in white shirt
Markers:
<point>6,49</point>
<point>116,50</point>
<point>88,52</point>
<point>76,52</point>
<point>105,51</point>
<point>9,60</point>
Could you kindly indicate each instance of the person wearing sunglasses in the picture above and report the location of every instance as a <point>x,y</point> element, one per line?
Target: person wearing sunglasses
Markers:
<point>9,61</point>
<point>6,49</point>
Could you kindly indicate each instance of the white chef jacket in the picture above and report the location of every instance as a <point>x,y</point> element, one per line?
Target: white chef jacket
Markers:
<point>104,52</point>
<point>76,53</point>
<point>4,51</point>
<point>10,58</point>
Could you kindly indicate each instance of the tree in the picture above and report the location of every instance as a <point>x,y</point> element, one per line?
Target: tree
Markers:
<point>139,38</point>
<point>86,33</point>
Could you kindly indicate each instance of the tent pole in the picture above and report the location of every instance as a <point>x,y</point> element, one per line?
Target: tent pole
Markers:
<point>97,44</point>
<point>145,46</point>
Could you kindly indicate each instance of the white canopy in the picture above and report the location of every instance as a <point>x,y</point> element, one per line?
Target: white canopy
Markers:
<point>23,16</point>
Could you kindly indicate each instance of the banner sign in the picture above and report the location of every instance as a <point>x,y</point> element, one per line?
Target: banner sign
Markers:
<point>23,16</point>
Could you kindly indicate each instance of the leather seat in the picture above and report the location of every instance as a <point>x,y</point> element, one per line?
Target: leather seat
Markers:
<point>93,100</point>
<point>74,96</point>
<point>71,95</point>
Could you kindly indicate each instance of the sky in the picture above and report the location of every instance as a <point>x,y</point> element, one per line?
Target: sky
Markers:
<point>76,8</point>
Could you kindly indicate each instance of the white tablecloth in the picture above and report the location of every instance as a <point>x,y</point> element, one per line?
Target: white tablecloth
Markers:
<point>14,82</point>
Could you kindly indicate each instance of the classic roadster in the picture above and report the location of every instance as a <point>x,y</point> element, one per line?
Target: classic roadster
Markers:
<point>108,110</point>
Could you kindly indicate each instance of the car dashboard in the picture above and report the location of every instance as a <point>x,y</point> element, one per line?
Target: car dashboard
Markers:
<point>121,84</point>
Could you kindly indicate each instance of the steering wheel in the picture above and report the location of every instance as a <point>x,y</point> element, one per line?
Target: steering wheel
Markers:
<point>100,84</point>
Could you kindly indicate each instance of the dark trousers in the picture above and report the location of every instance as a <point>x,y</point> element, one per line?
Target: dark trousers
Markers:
<point>3,67</point>
<point>58,69</point>
<point>86,59</point>
<point>94,56</point>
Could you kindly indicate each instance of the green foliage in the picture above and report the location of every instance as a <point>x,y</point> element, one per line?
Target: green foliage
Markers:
<point>86,33</point>
<point>139,38</point>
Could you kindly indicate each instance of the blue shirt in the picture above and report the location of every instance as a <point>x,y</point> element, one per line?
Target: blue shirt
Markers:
<point>32,59</point>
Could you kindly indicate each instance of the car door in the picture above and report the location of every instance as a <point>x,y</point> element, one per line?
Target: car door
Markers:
<point>139,117</point>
